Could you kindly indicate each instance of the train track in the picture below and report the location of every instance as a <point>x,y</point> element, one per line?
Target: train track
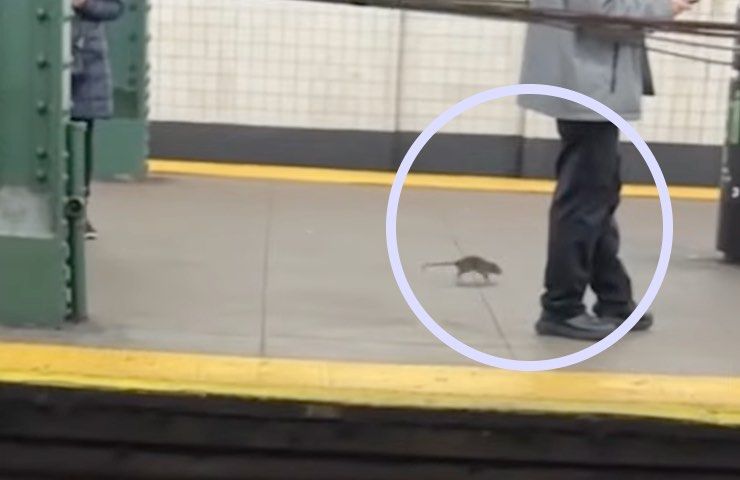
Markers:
<point>70,433</point>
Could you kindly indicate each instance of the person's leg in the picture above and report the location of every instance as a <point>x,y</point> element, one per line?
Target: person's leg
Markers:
<point>609,280</point>
<point>88,156</point>
<point>580,210</point>
<point>90,233</point>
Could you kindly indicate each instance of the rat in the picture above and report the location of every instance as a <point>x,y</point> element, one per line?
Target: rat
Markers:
<point>470,264</point>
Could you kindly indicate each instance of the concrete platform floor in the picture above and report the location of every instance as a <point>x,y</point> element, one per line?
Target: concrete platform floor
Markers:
<point>301,271</point>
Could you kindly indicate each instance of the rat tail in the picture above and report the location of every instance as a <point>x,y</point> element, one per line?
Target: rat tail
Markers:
<point>437,264</point>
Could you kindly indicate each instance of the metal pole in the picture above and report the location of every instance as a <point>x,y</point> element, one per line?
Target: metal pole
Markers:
<point>35,264</point>
<point>728,238</point>
<point>122,142</point>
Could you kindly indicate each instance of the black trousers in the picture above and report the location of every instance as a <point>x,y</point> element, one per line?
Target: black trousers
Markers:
<point>583,242</point>
<point>89,155</point>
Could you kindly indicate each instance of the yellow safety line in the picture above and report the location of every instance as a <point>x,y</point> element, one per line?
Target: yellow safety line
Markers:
<point>362,177</point>
<point>696,399</point>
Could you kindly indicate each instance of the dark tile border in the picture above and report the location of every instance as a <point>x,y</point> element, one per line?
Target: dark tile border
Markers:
<point>691,165</point>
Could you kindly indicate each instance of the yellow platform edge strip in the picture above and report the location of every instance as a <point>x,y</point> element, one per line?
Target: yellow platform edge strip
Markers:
<point>706,400</point>
<point>414,180</point>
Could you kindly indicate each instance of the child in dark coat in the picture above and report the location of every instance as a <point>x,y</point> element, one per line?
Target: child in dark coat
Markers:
<point>92,89</point>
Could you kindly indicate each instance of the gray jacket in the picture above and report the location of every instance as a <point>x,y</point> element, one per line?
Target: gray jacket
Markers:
<point>611,69</point>
<point>92,89</point>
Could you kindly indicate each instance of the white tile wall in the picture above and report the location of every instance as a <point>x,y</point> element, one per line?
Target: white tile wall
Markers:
<point>273,62</point>
<point>448,58</point>
<point>312,65</point>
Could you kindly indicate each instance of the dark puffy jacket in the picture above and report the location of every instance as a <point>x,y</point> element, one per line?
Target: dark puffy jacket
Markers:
<point>92,89</point>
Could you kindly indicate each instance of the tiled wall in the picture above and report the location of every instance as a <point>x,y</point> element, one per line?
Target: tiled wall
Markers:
<point>302,64</point>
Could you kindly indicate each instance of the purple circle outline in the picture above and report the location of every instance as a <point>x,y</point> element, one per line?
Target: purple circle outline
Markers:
<point>428,321</point>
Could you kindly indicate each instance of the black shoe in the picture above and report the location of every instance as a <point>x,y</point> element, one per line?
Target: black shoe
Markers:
<point>618,317</point>
<point>642,324</point>
<point>90,232</point>
<point>581,327</point>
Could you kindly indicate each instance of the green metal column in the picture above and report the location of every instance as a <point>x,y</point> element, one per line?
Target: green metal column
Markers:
<point>121,143</point>
<point>728,237</point>
<point>37,273</point>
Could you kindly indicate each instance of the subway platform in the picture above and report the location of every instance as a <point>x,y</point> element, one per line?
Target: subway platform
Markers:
<point>270,268</point>
<point>251,328</point>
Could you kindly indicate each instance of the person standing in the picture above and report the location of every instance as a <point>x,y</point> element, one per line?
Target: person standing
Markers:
<point>583,239</point>
<point>92,88</point>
